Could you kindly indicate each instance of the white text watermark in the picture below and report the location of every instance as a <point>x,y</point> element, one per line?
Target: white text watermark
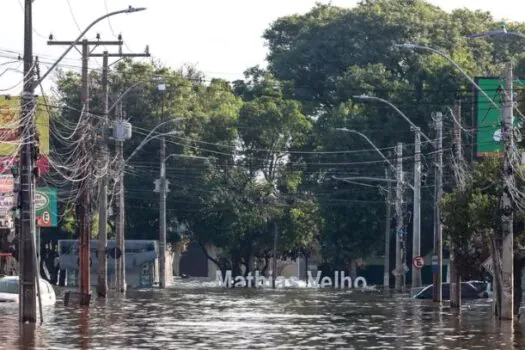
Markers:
<point>339,280</point>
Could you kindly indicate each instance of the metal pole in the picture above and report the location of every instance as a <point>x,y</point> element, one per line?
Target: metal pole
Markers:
<point>438,247</point>
<point>388,231</point>
<point>507,249</point>
<point>274,254</point>
<point>162,213</point>
<point>399,217</point>
<point>455,278</point>
<point>416,228</point>
<point>102,281</point>
<point>27,292</point>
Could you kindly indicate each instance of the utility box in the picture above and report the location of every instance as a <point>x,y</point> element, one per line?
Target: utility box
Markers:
<point>122,130</point>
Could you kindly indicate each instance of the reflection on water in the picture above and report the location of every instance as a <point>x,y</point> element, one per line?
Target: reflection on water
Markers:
<point>192,316</point>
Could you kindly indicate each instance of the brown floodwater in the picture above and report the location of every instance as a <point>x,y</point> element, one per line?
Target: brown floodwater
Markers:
<point>194,315</point>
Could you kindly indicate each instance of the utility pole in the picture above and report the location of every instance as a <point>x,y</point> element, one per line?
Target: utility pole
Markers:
<point>26,234</point>
<point>506,250</point>
<point>399,218</point>
<point>274,255</point>
<point>416,228</point>
<point>388,230</point>
<point>163,191</point>
<point>120,256</point>
<point>455,278</point>
<point>437,259</point>
<point>102,282</point>
<point>84,205</point>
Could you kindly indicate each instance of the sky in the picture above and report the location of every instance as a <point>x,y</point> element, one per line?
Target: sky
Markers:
<point>221,37</point>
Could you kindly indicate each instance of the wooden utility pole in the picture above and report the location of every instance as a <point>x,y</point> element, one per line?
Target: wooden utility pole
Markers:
<point>26,234</point>
<point>455,278</point>
<point>84,204</point>
<point>399,218</point>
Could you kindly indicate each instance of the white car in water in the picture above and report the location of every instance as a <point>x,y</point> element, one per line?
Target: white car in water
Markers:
<point>9,290</point>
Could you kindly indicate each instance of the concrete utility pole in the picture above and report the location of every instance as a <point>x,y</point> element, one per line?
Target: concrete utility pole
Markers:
<point>84,205</point>
<point>506,250</point>
<point>102,281</point>
<point>163,191</point>
<point>120,256</point>
<point>26,234</point>
<point>437,264</point>
<point>274,255</point>
<point>388,230</point>
<point>455,278</point>
<point>416,228</point>
<point>399,218</point>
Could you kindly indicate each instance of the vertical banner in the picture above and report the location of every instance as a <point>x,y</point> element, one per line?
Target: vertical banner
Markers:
<point>9,131</point>
<point>488,117</point>
<point>46,207</point>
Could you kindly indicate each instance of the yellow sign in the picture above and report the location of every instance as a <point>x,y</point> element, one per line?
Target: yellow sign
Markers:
<point>10,123</point>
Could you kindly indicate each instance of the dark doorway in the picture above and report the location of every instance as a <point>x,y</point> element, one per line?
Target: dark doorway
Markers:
<point>194,262</point>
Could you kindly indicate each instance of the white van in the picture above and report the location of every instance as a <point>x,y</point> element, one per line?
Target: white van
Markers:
<point>9,290</point>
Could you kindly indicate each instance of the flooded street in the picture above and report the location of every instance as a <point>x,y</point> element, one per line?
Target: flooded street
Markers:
<point>195,317</point>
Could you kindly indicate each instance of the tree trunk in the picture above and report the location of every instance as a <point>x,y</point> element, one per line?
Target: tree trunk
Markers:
<point>455,280</point>
<point>495,250</point>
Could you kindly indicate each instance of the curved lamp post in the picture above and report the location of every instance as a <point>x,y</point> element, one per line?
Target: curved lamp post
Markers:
<point>442,54</point>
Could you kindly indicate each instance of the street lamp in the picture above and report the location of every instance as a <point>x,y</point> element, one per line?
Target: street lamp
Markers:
<point>501,31</point>
<point>370,142</point>
<point>79,39</point>
<point>416,222</point>
<point>442,54</point>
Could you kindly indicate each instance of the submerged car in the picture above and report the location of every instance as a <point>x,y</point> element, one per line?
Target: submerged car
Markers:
<point>469,290</point>
<point>9,290</point>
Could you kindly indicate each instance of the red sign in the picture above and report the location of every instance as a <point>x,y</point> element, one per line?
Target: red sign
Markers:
<point>7,162</point>
<point>7,183</point>
<point>418,262</point>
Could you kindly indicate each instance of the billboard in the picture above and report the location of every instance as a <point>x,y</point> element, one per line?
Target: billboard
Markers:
<point>46,207</point>
<point>9,133</point>
<point>488,117</point>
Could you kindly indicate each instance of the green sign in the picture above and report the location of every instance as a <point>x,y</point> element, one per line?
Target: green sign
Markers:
<point>488,117</point>
<point>46,207</point>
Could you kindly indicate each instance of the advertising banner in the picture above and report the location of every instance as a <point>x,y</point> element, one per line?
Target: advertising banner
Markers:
<point>9,130</point>
<point>488,117</point>
<point>46,207</point>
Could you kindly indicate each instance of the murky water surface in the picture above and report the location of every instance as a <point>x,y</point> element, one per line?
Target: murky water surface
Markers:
<point>193,316</point>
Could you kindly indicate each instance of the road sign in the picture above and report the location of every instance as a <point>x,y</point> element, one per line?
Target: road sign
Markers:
<point>435,267</point>
<point>46,206</point>
<point>418,262</point>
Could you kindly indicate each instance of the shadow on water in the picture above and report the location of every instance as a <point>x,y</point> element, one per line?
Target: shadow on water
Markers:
<point>197,317</point>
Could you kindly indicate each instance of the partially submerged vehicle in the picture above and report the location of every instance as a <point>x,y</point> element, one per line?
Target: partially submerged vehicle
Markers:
<point>469,290</point>
<point>9,290</point>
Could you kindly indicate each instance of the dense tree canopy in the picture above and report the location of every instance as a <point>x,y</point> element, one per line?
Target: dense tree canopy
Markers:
<point>272,142</point>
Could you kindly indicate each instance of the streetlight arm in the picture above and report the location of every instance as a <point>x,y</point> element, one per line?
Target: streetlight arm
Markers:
<point>149,136</point>
<point>366,97</point>
<point>414,46</point>
<point>370,142</point>
<point>78,40</point>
